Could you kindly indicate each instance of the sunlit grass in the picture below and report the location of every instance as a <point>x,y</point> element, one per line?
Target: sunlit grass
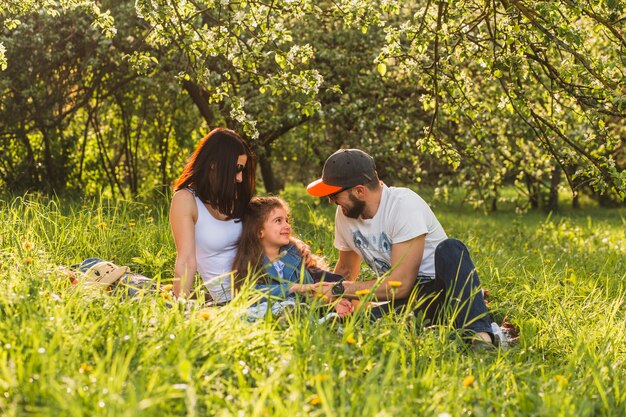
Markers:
<point>72,350</point>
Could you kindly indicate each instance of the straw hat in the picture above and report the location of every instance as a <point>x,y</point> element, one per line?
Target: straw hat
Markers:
<point>103,272</point>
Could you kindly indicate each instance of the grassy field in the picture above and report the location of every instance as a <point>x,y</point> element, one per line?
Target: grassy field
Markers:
<point>75,351</point>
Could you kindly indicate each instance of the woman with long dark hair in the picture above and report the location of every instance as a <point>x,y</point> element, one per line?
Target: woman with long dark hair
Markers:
<point>209,201</point>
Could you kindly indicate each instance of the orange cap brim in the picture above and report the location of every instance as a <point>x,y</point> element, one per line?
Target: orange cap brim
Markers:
<point>319,189</point>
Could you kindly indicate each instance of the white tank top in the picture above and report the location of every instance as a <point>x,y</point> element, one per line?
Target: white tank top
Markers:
<point>216,247</point>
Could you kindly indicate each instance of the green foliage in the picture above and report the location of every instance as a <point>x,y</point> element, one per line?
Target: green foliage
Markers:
<point>75,115</point>
<point>73,350</point>
<point>238,51</point>
<point>467,94</point>
<point>515,89</point>
<point>11,11</point>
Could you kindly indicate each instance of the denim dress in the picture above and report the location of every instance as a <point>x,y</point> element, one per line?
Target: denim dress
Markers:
<point>279,276</point>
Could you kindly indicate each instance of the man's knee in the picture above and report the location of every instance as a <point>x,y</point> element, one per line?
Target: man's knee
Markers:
<point>452,261</point>
<point>450,246</point>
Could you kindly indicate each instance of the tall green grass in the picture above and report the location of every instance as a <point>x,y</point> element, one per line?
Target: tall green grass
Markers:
<point>74,351</point>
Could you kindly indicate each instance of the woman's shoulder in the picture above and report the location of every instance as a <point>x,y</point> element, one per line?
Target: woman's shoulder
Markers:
<point>184,194</point>
<point>183,200</point>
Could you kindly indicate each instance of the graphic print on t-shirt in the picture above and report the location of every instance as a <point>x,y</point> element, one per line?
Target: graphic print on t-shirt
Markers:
<point>374,252</point>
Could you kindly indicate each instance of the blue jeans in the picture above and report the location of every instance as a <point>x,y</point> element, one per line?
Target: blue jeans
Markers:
<point>454,291</point>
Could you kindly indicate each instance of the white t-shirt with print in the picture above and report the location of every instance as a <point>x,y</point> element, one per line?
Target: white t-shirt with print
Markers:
<point>402,215</point>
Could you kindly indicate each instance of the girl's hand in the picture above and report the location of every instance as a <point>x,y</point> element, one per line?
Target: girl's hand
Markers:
<point>344,307</point>
<point>319,289</point>
<point>322,290</point>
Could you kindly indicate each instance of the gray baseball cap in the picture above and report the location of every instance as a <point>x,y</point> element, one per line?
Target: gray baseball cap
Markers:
<point>344,169</point>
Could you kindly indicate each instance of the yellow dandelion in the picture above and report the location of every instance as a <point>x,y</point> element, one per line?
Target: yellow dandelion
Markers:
<point>319,251</point>
<point>166,295</point>
<point>315,400</point>
<point>204,315</point>
<point>468,380</point>
<point>561,379</point>
<point>548,261</point>
<point>149,219</point>
<point>320,378</point>
<point>350,340</point>
<point>132,224</point>
<point>309,242</point>
<point>85,368</point>
<point>27,260</point>
<point>28,245</point>
<point>322,296</point>
<point>167,287</point>
<point>102,225</point>
<point>362,292</point>
<point>394,284</point>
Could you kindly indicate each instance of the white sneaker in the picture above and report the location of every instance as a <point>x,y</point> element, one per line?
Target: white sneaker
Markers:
<point>502,338</point>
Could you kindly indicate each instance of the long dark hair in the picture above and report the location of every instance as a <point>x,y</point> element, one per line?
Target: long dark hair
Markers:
<point>250,250</point>
<point>211,172</point>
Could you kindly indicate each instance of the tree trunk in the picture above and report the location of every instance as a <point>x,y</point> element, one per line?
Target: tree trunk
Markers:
<point>201,99</point>
<point>47,158</point>
<point>553,198</point>
<point>533,192</point>
<point>105,162</point>
<point>34,179</point>
<point>164,148</point>
<point>84,147</point>
<point>272,184</point>
<point>605,200</point>
<point>576,200</point>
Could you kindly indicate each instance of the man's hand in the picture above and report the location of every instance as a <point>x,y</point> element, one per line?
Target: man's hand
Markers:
<point>305,252</point>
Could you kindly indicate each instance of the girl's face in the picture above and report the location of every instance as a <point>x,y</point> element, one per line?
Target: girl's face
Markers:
<point>276,229</point>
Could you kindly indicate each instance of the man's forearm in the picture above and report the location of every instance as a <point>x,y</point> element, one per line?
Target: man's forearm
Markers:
<point>384,291</point>
<point>346,272</point>
<point>355,289</point>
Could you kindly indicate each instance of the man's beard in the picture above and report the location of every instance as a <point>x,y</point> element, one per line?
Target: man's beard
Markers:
<point>357,208</point>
